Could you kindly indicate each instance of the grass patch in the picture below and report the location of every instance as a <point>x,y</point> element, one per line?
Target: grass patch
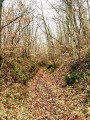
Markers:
<point>51,67</point>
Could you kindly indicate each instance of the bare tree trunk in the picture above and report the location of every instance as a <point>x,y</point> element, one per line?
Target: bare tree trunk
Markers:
<point>69,15</point>
<point>1,2</point>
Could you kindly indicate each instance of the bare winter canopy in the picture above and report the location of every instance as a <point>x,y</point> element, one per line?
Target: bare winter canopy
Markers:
<point>53,29</point>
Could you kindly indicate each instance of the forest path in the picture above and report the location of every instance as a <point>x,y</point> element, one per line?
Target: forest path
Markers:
<point>43,98</point>
<point>49,100</point>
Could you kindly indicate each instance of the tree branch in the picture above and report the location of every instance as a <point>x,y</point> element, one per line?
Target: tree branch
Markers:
<point>10,22</point>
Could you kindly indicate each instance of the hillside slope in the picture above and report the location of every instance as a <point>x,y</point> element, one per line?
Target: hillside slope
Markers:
<point>44,98</point>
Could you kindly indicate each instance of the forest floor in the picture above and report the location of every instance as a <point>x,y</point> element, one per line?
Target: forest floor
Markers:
<point>46,97</point>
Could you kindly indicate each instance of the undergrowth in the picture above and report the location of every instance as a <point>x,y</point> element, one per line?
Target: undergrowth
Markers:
<point>17,70</point>
<point>79,72</point>
<point>52,67</point>
<point>21,70</point>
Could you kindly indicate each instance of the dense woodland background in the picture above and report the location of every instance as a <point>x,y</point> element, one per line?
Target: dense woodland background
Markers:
<point>28,32</point>
<point>44,59</point>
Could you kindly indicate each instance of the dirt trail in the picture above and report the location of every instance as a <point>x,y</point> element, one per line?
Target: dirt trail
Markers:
<point>49,101</point>
<point>44,88</point>
<point>41,99</point>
